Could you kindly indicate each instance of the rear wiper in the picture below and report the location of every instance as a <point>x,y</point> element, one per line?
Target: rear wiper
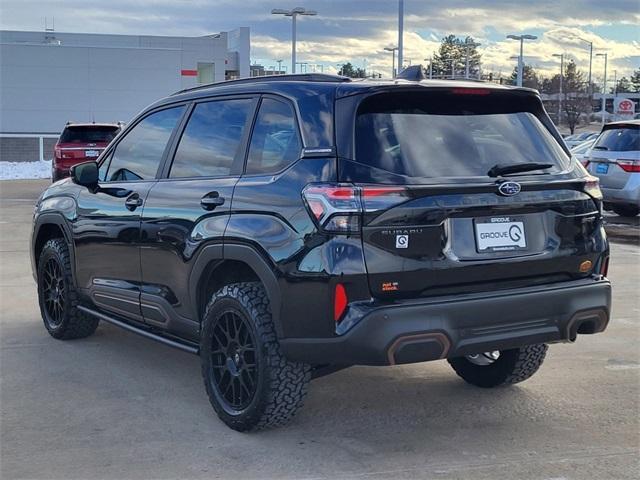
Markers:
<point>498,170</point>
<point>600,147</point>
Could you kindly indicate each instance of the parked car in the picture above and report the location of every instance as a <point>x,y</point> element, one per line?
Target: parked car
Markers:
<point>80,142</point>
<point>615,160</point>
<point>580,150</point>
<point>285,227</point>
<point>577,138</point>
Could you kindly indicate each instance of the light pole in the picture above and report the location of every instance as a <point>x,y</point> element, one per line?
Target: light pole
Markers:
<point>393,60</point>
<point>430,59</point>
<point>279,66</point>
<point>400,33</point>
<point>561,55</point>
<point>604,87</point>
<point>522,38</point>
<point>293,14</point>
<point>466,65</point>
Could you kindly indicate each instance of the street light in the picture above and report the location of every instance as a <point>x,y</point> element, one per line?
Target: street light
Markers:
<point>604,87</point>
<point>522,38</point>
<point>279,66</point>
<point>393,61</point>
<point>400,34</point>
<point>293,14</point>
<point>430,60</point>
<point>468,45</point>
<point>561,55</point>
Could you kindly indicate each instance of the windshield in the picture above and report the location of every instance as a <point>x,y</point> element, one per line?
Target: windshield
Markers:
<point>619,139</point>
<point>463,142</point>
<point>89,134</point>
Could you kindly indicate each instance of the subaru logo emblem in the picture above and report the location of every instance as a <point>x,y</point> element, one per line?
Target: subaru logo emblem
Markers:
<point>508,189</point>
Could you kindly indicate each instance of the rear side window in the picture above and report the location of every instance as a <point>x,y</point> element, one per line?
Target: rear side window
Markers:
<point>138,155</point>
<point>211,140</point>
<point>450,136</point>
<point>619,139</point>
<point>89,134</point>
<point>275,142</point>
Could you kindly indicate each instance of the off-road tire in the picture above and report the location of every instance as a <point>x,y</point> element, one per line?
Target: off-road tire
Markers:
<point>73,323</point>
<point>281,383</point>
<point>626,210</point>
<point>513,366</point>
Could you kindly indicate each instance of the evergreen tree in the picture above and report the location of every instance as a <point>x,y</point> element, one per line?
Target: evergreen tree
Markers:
<point>529,77</point>
<point>453,53</point>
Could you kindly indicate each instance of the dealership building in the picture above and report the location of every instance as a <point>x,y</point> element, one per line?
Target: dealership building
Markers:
<point>49,78</point>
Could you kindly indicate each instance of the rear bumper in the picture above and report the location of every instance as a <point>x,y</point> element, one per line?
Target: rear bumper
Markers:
<point>629,195</point>
<point>446,327</point>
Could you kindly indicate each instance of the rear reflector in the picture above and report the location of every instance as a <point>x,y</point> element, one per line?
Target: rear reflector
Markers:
<point>632,166</point>
<point>339,302</point>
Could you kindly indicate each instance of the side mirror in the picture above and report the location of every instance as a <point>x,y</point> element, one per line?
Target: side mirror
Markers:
<point>85,174</point>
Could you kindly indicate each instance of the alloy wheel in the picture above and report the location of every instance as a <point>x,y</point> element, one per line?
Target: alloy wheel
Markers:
<point>53,293</point>
<point>485,358</point>
<point>234,361</point>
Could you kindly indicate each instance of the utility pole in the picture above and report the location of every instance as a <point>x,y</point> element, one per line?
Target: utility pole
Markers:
<point>400,34</point>
<point>561,55</point>
<point>294,15</point>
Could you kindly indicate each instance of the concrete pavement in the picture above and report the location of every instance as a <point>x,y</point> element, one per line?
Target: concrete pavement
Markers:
<point>118,406</point>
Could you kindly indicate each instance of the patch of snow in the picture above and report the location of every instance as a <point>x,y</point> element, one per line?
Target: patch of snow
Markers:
<point>25,170</point>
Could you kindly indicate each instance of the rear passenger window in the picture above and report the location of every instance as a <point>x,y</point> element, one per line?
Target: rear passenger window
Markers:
<point>275,143</point>
<point>211,139</point>
<point>138,155</point>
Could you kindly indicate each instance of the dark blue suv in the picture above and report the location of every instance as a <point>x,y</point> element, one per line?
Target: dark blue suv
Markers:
<point>282,228</point>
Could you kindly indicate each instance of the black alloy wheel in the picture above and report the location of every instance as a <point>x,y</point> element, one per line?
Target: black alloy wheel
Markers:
<point>234,361</point>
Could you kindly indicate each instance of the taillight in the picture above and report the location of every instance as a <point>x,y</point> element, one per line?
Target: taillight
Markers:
<point>592,187</point>
<point>470,91</point>
<point>604,266</point>
<point>339,302</point>
<point>338,208</point>
<point>632,166</point>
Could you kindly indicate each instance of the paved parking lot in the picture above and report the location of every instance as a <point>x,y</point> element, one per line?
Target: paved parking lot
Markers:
<point>119,406</point>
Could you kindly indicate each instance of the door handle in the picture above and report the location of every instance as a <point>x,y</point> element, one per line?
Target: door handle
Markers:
<point>211,200</point>
<point>133,201</point>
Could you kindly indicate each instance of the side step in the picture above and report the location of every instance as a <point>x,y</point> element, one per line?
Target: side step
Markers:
<point>185,347</point>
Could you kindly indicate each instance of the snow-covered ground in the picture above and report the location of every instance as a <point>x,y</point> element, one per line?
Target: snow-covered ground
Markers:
<point>25,170</point>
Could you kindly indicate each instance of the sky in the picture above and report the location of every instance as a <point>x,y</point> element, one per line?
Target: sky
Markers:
<point>357,31</point>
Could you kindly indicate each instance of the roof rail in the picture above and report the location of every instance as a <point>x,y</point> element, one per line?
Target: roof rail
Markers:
<point>291,77</point>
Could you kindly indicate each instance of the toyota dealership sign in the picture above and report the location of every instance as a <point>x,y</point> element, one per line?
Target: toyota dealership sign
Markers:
<point>624,108</point>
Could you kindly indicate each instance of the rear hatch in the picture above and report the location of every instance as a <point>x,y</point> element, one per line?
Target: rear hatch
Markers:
<point>79,143</point>
<point>615,155</point>
<point>442,212</point>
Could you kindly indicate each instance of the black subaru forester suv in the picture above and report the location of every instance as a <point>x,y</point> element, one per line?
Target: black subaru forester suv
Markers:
<point>282,228</point>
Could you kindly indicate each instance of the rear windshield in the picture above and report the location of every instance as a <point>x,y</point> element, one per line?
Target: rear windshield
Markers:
<point>454,137</point>
<point>89,134</point>
<point>619,139</point>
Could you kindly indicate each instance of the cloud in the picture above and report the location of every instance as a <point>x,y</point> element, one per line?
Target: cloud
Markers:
<point>360,29</point>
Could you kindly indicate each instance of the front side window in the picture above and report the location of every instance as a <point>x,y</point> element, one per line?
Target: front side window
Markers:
<point>211,140</point>
<point>275,142</point>
<point>138,155</point>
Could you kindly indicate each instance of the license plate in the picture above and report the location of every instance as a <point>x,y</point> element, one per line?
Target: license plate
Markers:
<point>602,168</point>
<point>500,234</point>
<point>91,153</point>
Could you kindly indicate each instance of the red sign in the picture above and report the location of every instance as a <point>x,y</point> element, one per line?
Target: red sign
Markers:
<point>189,73</point>
<point>626,106</point>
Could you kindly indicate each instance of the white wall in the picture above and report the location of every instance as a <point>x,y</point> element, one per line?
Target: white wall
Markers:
<point>96,77</point>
